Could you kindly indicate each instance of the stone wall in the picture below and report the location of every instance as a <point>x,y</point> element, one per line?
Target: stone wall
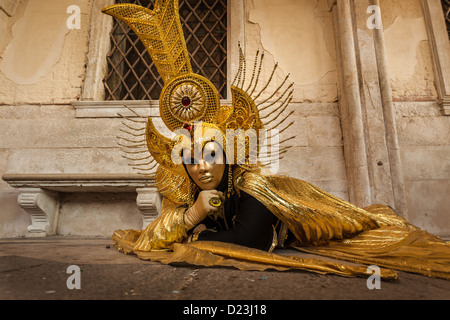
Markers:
<point>423,131</point>
<point>43,73</point>
<point>317,153</point>
<point>424,136</point>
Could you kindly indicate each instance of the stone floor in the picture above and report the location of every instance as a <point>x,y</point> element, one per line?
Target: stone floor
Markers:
<point>36,269</point>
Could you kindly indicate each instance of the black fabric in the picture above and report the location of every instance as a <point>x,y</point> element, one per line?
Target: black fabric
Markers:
<point>247,221</point>
<point>249,224</point>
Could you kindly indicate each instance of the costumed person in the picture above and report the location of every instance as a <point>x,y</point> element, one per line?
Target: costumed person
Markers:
<point>221,206</point>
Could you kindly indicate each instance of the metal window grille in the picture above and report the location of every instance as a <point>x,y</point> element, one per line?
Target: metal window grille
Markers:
<point>446,7</point>
<point>133,76</point>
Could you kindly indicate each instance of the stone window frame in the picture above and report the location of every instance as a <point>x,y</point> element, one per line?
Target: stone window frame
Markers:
<point>92,104</point>
<point>440,47</point>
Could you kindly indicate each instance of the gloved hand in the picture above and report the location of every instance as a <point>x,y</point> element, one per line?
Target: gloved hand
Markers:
<point>201,208</point>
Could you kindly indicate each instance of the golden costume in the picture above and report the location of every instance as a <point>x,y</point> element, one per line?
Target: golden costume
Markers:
<point>321,223</point>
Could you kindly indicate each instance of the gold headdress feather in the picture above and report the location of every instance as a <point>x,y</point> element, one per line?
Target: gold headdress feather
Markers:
<point>188,97</point>
<point>161,33</point>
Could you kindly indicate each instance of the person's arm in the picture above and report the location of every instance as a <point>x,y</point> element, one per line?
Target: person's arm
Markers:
<point>201,208</point>
<point>252,227</point>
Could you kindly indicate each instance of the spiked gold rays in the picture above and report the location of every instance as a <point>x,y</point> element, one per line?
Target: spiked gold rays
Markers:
<point>144,147</point>
<point>132,143</point>
<point>268,111</point>
<point>145,153</point>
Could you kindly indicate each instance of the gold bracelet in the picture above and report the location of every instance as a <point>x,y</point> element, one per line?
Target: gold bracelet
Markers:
<point>195,236</point>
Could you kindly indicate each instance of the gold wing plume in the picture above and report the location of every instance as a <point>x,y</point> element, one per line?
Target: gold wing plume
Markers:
<point>143,145</point>
<point>161,33</point>
<point>149,152</point>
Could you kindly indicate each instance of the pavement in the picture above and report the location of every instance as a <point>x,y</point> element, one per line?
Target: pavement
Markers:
<point>37,269</point>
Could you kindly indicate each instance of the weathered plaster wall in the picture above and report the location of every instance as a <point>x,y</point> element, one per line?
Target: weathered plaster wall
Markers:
<point>424,136</point>
<point>298,35</point>
<point>42,61</point>
<point>423,132</point>
<point>408,51</point>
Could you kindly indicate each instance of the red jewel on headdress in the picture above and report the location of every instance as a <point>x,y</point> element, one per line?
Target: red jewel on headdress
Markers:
<point>187,126</point>
<point>185,101</point>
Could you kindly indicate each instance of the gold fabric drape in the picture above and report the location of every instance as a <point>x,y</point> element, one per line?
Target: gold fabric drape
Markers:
<point>160,235</point>
<point>322,224</point>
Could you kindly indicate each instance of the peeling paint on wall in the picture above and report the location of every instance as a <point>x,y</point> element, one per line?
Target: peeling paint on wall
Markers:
<point>298,35</point>
<point>408,51</point>
<point>42,60</point>
<point>35,46</point>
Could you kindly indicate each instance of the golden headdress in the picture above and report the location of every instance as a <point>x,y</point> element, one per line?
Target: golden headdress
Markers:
<point>188,98</point>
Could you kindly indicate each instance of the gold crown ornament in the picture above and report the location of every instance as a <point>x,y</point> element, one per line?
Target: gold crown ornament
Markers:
<point>189,100</point>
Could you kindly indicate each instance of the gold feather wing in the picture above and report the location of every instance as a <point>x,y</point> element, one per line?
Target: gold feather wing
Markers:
<point>161,33</point>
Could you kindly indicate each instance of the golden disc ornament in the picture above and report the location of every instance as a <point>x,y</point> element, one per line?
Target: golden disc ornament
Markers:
<point>188,98</point>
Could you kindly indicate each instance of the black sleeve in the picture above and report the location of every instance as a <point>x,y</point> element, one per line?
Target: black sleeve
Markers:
<point>252,227</point>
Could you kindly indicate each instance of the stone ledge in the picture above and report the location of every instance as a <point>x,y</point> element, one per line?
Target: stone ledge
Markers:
<point>150,108</point>
<point>71,182</point>
<point>112,109</point>
<point>39,195</point>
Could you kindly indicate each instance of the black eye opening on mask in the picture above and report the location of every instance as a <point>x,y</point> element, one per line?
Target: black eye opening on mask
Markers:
<point>188,156</point>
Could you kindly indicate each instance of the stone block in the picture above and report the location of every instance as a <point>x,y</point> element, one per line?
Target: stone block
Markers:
<point>429,204</point>
<point>314,163</point>
<point>423,131</point>
<point>324,131</point>
<point>338,188</point>
<point>82,160</point>
<point>59,133</point>
<point>97,214</point>
<point>426,162</point>
<point>13,219</point>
